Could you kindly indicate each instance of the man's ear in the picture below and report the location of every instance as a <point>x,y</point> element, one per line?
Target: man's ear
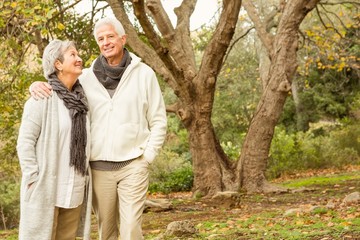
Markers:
<point>123,38</point>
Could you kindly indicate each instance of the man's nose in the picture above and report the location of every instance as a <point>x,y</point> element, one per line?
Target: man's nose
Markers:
<point>106,41</point>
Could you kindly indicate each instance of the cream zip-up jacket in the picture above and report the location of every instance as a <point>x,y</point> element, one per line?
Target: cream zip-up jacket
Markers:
<point>130,124</point>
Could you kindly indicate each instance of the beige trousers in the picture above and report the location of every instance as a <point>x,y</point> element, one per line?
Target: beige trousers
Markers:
<point>66,221</point>
<point>119,199</point>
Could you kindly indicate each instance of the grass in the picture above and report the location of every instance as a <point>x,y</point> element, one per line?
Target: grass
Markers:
<point>322,180</point>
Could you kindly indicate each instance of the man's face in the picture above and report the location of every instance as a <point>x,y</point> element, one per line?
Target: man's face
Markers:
<point>111,44</point>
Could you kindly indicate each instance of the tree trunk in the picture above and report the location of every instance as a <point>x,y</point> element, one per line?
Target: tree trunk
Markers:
<point>213,172</point>
<point>282,50</point>
<point>256,147</point>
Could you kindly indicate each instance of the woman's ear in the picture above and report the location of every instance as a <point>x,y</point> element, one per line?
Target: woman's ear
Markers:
<point>58,65</point>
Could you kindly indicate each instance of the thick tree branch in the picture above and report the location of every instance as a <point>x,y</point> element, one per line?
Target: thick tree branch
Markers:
<point>178,40</point>
<point>161,18</point>
<point>286,39</point>
<point>151,34</point>
<point>182,33</point>
<point>173,108</point>
<point>215,51</point>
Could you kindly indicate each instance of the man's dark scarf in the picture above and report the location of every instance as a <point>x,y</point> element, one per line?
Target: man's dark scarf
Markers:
<point>108,75</point>
<point>76,102</point>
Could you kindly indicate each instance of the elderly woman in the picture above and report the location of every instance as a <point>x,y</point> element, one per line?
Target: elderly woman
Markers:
<point>53,148</point>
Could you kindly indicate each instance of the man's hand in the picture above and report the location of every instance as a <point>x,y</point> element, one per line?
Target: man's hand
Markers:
<point>40,90</point>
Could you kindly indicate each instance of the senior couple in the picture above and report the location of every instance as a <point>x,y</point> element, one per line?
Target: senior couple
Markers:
<point>86,140</point>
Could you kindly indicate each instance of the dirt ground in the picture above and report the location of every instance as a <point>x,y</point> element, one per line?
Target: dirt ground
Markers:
<point>218,222</point>
<point>200,211</point>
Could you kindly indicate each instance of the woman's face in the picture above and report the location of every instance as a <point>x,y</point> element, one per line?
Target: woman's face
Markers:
<point>72,64</point>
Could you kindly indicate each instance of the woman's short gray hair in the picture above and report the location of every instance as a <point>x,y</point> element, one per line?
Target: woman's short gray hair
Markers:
<point>119,29</point>
<point>54,51</point>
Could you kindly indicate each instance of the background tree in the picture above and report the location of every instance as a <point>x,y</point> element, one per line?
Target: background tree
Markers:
<point>328,76</point>
<point>172,56</point>
<point>282,51</point>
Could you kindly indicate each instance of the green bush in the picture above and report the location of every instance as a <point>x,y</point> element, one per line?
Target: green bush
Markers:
<point>171,172</point>
<point>9,203</point>
<point>334,147</point>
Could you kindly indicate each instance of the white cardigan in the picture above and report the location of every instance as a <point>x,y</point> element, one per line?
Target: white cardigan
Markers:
<point>130,124</point>
<point>37,147</point>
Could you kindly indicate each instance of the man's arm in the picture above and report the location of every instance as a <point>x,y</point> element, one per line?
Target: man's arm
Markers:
<point>40,89</point>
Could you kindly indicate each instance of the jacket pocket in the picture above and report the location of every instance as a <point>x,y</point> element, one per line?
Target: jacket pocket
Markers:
<point>29,190</point>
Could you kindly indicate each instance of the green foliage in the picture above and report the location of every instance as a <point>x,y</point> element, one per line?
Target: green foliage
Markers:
<point>328,76</point>
<point>202,38</point>
<point>170,173</point>
<point>236,96</point>
<point>231,150</point>
<point>323,146</point>
<point>172,170</point>
<point>321,180</point>
<point>74,25</point>
<point>26,26</point>
<point>9,203</point>
<point>177,136</point>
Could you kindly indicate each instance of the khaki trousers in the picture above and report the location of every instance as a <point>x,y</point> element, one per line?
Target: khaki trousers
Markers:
<point>66,221</point>
<point>119,199</point>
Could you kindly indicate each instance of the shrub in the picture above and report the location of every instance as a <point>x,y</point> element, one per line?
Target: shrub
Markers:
<point>170,172</point>
<point>9,203</point>
<point>335,147</point>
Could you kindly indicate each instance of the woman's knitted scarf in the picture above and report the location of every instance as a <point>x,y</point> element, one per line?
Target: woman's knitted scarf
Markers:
<point>108,75</point>
<point>77,104</point>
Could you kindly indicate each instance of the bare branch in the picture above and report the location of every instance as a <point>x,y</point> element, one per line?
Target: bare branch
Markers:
<point>235,41</point>
<point>340,2</point>
<point>182,35</point>
<point>333,14</point>
<point>163,23</point>
<point>325,26</point>
<point>264,36</point>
